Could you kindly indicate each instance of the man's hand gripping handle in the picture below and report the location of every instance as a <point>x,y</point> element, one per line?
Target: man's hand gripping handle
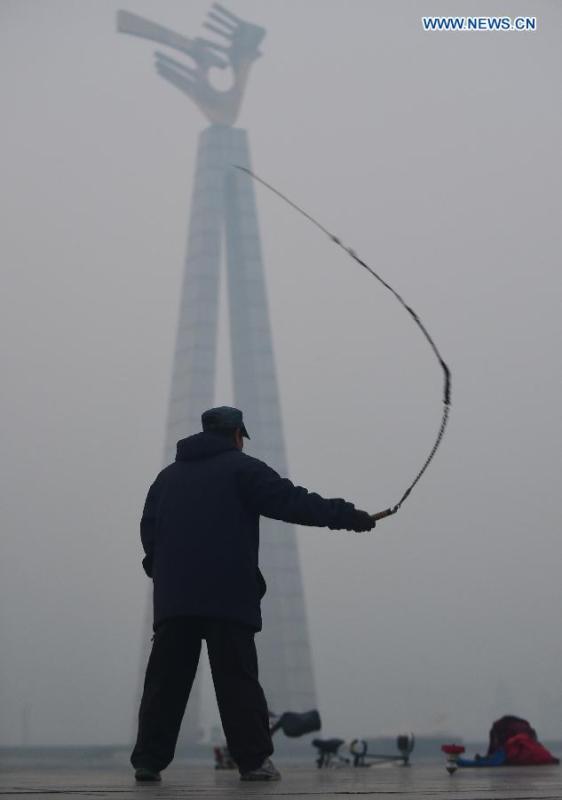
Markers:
<point>382,514</point>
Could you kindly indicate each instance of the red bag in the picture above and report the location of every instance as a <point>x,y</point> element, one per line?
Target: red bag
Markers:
<point>522,750</point>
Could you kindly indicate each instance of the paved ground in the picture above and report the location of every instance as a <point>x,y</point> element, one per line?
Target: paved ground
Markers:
<point>418,782</point>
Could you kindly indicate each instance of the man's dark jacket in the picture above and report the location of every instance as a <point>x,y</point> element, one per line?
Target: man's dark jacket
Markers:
<point>200,529</point>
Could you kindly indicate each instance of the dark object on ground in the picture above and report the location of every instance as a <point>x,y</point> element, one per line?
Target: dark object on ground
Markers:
<point>293,724</point>
<point>362,758</point>
<point>405,744</point>
<point>328,752</point>
<point>146,775</point>
<point>329,755</point>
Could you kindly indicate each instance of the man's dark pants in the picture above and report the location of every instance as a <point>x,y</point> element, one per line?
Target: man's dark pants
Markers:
<point>169,677</point>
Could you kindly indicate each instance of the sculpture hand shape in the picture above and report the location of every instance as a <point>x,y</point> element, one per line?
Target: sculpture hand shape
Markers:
<point>239,52</point>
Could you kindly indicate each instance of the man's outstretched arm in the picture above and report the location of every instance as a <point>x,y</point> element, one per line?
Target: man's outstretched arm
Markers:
<point>278,498</point>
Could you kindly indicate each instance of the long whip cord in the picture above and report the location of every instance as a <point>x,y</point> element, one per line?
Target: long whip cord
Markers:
<point>446,371</point>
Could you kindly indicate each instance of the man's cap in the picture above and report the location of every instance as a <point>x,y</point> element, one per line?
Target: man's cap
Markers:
<point>223,417</point>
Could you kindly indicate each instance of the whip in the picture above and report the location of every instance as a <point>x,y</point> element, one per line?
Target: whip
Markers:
<point>446,371</point>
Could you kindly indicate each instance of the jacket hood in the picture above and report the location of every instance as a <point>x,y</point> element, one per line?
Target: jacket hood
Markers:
<point>202,445</point>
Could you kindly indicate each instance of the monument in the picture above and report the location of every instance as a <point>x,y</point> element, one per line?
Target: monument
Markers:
<point>224,219</point>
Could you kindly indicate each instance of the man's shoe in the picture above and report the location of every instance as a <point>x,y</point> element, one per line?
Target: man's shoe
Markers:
<point>267,772</point>
<point>144,774</point>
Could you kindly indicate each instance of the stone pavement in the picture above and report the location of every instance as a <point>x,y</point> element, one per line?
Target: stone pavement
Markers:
<point>418,782</point>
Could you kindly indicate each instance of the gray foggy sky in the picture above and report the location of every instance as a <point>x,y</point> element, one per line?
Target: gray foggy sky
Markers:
<point>436,156</point>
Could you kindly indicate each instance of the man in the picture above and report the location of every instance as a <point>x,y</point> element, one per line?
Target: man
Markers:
<point>200,534</point>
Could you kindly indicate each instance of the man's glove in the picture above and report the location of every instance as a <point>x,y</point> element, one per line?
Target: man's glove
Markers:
<point>362,521</point>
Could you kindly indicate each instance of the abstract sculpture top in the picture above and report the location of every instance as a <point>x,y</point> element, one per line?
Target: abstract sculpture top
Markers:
<point>238,54</point>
